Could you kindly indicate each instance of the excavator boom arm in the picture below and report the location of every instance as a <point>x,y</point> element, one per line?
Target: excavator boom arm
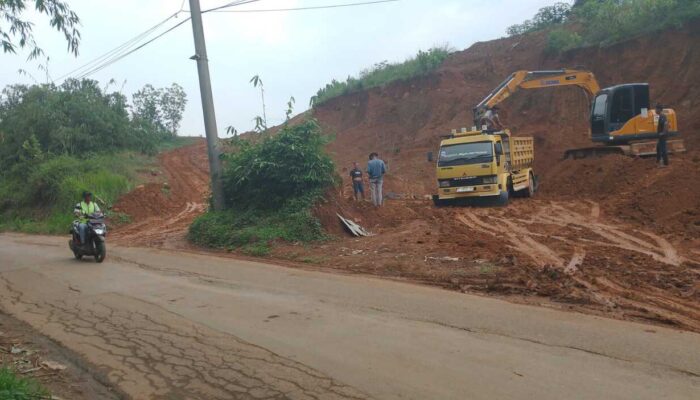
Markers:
<point>536,80</point>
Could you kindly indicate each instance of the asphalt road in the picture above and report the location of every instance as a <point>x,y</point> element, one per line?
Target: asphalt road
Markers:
<point>161,324</point>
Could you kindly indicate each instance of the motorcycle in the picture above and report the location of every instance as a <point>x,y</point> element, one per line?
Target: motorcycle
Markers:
<point>95,238</point>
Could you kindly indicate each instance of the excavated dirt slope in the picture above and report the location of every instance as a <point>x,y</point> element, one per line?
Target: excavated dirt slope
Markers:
<point>612,235</point>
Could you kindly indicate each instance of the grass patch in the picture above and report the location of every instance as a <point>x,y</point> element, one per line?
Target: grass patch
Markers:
<point>41,199</point>
<point>176,142</point>
<point>384,73</point>
<point>255,230</point>
<point>14,387</point>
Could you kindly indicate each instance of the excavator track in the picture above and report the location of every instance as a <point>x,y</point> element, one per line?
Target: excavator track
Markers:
<point>638,149</point>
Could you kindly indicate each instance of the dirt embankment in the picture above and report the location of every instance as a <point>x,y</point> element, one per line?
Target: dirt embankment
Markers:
<point>160,213</point>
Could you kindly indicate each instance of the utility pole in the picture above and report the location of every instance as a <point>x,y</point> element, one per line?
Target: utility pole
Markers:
<point>207,105</point>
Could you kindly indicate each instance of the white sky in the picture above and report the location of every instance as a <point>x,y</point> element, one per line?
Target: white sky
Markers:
<point>295,53</point>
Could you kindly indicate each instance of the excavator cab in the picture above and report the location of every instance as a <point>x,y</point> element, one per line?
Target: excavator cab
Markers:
<point>614,107</point>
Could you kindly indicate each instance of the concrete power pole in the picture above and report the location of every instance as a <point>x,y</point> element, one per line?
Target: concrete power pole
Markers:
<point>207,105</point>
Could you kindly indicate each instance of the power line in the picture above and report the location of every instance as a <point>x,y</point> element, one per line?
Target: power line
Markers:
<point>117,49</point>
<point>127,48</point>
<point>112,61</point>
<point>306,8</point>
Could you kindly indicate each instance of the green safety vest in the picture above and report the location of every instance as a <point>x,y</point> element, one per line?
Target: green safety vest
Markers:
<point>87,209</point>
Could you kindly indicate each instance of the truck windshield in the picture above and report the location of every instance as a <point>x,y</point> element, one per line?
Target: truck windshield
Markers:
<point>466,153</point>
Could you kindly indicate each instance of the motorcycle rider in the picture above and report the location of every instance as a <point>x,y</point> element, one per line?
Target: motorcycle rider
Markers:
<point>81,211</point>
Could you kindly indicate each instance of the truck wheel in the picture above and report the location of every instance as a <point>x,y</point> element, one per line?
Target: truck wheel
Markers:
<point>529,191</point>
<point>437,201</point>
<point>504,198</point>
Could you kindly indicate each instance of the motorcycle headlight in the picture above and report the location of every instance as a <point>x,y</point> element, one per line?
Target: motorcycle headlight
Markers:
<point>444,183</point>
<point>490,180</point>
<point>99,231</point>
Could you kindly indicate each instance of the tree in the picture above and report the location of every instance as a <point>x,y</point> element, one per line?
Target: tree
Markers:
<point>146,105</point>
<point>546,17</point>
<point>161,108</point>
<point>172,104</point>
<point>16,32</point>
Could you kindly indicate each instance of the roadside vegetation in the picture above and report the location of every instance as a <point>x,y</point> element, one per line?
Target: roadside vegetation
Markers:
<point>57,141</point>
<point>14,387</point>
<point>270,184</point>
<point>384,73</point>
<point>605,22</point>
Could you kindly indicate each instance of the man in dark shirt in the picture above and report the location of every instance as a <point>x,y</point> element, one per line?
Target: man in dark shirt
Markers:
<point>662,131</point>
<point>357,185</point>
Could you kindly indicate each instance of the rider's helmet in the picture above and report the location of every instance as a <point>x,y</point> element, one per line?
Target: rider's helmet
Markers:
<point>86,194</point>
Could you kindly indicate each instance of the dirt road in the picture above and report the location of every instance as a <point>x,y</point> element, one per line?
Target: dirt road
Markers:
<point>164,324</point>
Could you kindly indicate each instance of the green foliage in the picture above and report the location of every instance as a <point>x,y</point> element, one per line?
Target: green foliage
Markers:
<point>609,21</point>
<point>40,199</point>
<point>560,40</point>
<point>270,185</point>
<point>14,387</point>
<point>255,230</point>
<point>277,169</point>
<point>384,73</point>
<point>16,31</point>
<point>160,108</point>
<point>603,22</point>
<point>546,17</point>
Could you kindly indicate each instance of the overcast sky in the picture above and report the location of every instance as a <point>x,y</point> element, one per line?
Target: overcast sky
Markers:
<point>294,52</point>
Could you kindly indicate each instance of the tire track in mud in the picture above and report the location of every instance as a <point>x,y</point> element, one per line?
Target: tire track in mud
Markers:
<point>571,238</point>
<point>149,353</point>
<point>162,214</point>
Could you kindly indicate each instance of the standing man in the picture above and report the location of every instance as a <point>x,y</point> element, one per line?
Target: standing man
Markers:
<point>662,131</point>
<point>376,170</point>
<point>357,185</point>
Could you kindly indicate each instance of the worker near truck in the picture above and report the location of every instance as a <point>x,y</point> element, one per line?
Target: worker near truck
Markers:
<point>662,130</point>
<point>376,168</point>
<point>491,120</point>
<point>358,188</point>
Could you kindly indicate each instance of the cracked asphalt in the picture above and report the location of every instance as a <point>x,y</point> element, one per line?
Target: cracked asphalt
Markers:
<point>172,325</point>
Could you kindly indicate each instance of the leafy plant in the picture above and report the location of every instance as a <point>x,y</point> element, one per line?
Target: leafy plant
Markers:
<point>257,82</point>
<point>17,32</point>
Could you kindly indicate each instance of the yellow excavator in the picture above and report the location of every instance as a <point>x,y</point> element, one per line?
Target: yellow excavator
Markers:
<point>621,117</point>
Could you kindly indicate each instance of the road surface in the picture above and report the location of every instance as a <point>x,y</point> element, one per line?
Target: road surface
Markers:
<point>173,325</point>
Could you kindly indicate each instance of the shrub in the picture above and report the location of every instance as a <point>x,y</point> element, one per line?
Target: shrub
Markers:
<point>270,185</point>
<point>546,17</point>
<point>383,73</point>
<point>560,40</point>
<point>280,168</point>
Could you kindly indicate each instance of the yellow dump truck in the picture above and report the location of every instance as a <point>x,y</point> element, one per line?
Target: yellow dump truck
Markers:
<point>475,164</point>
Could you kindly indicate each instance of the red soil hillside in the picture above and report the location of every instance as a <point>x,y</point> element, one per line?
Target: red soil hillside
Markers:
<point>404,120</point>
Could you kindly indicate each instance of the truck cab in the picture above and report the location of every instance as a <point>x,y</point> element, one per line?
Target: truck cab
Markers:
<point>476,163</point>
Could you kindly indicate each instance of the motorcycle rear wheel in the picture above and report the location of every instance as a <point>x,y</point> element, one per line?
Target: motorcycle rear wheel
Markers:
<point>100,251</point>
